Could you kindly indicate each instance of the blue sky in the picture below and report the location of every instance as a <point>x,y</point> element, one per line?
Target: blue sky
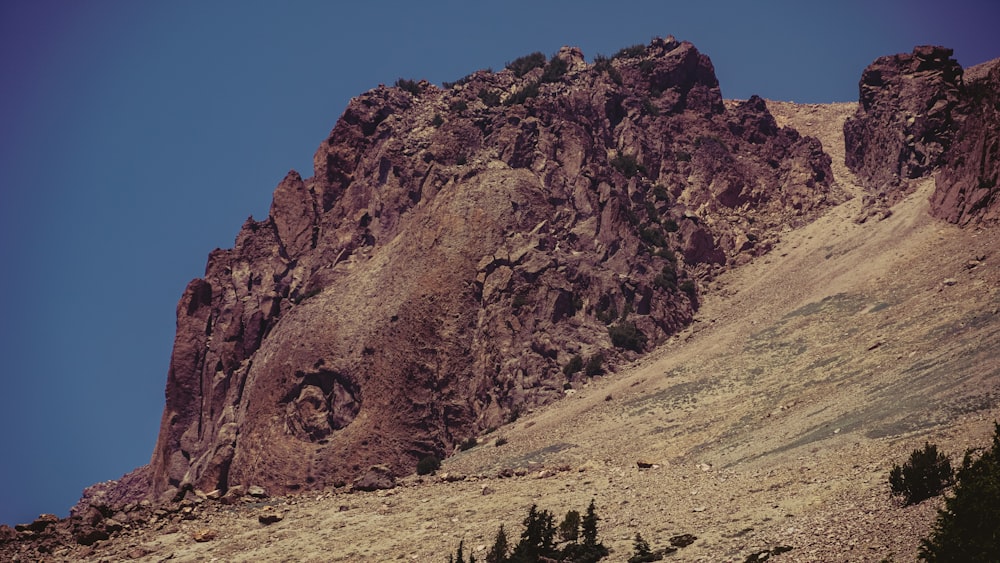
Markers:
<point>135,137</point>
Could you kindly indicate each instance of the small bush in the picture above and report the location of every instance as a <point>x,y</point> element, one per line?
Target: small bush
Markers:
<point>689,289</point>
<point>660,193</point>
<point>651,212</point>
<point>630,52</point>
<point>468,444</point>
<point>667,278</point>
<point>411,86</point>
<point>968,528</point>
<point>428,465</point>
<point>641,552</point>
<point>595,365</point>
<point>569,528</point>
<point>650,108</point>
<point>667,254</point>
<point>923,476</point>
<point>626,335</point>
<point>671,226</point>
<point>438,121</point>
<point>519,97</point>
<point>653,236</point>
<point>628,165</point>
<point>554,70</point>
<point>603,64</point>
<point>458,106</point>
<point>500,441</point>
<point>575,364</point>
<point>524,65</point>
<point>489,97</point>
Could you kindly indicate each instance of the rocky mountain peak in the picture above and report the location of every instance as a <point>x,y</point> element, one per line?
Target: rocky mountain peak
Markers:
<point>457,251</point>
<point>917,115</point>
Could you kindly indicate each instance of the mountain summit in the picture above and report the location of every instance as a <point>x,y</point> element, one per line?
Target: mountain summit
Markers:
<point>456,248</point>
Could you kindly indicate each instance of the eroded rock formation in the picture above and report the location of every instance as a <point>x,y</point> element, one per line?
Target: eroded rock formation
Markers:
<point>966,188</point>
<point>918,114</point>
<point>454,249</point>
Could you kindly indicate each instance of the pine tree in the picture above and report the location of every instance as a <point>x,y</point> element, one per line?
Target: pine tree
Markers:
<point>590,525</point>
<point>537,537</point>
<point>569,529</point>
<point>498,553</point>
<point>968,528</point>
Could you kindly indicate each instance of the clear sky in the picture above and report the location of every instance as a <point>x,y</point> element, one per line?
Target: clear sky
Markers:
<point>135,137</point>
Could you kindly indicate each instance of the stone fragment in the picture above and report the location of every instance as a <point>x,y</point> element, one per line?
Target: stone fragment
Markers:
<point>378,477</point>
<point>256,491</point>
<point>270,517</point>
<point>202,535</point>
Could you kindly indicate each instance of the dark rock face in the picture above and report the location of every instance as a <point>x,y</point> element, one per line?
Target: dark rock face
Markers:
<point>905,120</point>
<point>966,188</point>
<point>453,250</point>
<point>917,115</point>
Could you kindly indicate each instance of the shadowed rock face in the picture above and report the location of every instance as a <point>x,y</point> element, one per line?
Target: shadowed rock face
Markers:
<point>917,115</point>
<point>905,118</point>
<point>454,249</point>
<point>966,189</point>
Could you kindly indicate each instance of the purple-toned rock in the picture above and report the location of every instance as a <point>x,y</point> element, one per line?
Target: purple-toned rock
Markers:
<point>452,250</point>
<point>967,188</point>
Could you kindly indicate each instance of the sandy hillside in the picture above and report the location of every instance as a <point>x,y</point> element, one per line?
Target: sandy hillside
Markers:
<point>772,421</point>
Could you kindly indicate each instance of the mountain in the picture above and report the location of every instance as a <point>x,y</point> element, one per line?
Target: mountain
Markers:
<point>456,248</point>
<point>452,252</point>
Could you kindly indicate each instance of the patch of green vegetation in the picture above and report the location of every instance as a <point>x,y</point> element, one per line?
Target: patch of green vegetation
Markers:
<point>667,278</point>
<point>690,289</point>
<point>538,540</point>
<point>968,528</point>
<point>628,165</point>
<point>489,97</point>
<point>522,95</point>
<point>630,52</point>
<point>923,476</point>
<point>653,236</point>
<point>411,86</point>
<point>523,65</point>
<point>626,335</point>
<point>603,64</point>
<point>594,365</point>
<point>574,365</point>
<point>428,465</point>
<point>554,70</point>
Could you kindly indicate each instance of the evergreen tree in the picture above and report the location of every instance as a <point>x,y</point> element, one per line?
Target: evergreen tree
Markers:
<point>590,525</point>
<point>641,553</point>
<point>498,553</point>
<point>591,550</point>
<point>968,528</point>
<point>537,537</point>
<point>569,529</point>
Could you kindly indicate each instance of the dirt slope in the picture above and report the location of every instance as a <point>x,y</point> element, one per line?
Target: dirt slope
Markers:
<point>772,421</point>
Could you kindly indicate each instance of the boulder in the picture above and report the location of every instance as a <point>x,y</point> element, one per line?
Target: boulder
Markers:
<point>378,477</point>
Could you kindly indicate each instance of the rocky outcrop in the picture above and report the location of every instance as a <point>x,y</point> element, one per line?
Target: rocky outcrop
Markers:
<point>454,249</point>
<point>966,188</point>
<point>905,121</point>
<point>918,114</point>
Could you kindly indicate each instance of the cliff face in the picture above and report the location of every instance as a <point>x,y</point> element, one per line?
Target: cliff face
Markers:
<point>455,248</point>
<point>966,189</point>
<point>917,115</point>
